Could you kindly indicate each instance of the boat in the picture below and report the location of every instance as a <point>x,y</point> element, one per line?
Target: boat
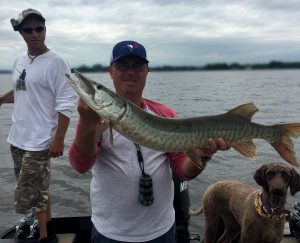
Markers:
<point>70,230</point>
<point>78,230</point>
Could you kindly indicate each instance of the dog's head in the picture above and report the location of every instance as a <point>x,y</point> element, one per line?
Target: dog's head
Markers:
<point>275,178</point>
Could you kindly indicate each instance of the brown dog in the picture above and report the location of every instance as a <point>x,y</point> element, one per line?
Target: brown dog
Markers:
<point>257,215</point>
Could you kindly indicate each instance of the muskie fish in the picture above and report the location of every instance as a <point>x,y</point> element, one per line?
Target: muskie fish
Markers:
<point>167,134</point>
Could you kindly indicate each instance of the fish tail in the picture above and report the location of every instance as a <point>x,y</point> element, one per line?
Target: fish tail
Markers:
<point>284,146</point>
<point>195,212</point>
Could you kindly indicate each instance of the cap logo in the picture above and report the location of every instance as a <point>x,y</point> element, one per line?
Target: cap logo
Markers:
<point>132,46</point>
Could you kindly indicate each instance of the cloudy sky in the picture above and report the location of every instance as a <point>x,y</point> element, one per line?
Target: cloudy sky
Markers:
<point>190,32</point>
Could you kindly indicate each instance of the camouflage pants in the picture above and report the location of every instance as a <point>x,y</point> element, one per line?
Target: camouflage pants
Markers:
<point>32,170</point>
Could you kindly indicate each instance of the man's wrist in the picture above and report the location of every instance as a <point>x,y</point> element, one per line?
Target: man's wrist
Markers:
<point>200,163</point>
<point>204,160</point>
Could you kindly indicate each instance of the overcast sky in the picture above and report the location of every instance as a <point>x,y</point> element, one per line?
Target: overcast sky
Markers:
<point>173,32</point>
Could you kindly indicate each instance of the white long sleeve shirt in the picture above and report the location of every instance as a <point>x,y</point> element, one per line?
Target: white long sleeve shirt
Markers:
<point>40,92</point>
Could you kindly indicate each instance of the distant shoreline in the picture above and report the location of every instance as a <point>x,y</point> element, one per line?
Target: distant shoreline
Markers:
<point>208,67</point>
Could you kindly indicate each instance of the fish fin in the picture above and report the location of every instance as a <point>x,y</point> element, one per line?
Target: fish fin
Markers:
<point>111,137</point>
<point>248,149</point>
<point>102,127</point>
<point>284,146</point>
<point>245,111</point>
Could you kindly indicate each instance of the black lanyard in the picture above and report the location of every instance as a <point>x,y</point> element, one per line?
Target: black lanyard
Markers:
<point>145,184</point>
<point>140,158</point>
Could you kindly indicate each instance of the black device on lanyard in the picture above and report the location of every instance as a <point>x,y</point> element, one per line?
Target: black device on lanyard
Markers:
<point>145,185</point>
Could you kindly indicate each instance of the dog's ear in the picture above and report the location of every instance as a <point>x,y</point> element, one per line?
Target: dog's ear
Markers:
<point>294,182</point>
<point>260,177</point>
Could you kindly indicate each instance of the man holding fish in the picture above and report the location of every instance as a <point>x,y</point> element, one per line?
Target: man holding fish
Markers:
<point>132,189</point>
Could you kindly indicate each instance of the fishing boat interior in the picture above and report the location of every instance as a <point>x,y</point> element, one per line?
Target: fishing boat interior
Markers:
<point>78,229</point>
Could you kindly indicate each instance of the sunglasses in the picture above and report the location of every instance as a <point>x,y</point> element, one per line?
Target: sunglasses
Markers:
<point>123,66</point>
<point>38,29</point>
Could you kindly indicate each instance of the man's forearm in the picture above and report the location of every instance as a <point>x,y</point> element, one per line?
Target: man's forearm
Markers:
<point>85,139</point>
<point>62,126</point>
<point>191,169</point>
<point>7,97</point>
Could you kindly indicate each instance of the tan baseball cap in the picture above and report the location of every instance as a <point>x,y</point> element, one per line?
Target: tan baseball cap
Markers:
<point>16,23</point>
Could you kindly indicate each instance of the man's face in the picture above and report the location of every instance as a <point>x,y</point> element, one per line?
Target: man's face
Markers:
<point>129,75</point>
<point>33,32</point>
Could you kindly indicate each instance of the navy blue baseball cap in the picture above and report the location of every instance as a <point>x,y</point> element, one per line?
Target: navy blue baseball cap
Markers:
<point>127,48</point>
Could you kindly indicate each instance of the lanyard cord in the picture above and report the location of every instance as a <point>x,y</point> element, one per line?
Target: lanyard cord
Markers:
<point>140,158</point>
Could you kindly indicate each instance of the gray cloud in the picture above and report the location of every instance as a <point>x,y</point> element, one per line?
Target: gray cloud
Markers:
<point>174,32</point>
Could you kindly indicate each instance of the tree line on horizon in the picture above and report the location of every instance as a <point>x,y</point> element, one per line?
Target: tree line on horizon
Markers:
<point>208,67</point>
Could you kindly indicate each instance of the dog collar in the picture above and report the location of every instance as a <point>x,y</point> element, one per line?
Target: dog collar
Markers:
<point>275,214</point>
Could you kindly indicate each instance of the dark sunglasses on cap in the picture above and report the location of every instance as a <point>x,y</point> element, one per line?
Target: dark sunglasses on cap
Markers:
<point>28,30</point>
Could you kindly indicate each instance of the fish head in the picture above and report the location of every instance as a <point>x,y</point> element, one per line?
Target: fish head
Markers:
<point>108,105</point>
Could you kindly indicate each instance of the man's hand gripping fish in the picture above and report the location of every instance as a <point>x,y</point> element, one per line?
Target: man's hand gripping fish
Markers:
<point>165,134</point>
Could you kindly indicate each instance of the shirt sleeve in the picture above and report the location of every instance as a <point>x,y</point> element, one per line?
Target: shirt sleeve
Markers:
<point>79,161</point>
<point>65,97</point>
<point>176,160</point>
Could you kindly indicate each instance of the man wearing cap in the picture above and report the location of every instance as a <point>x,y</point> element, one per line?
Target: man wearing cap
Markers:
<point>131,189</point>
<point>43,103</point>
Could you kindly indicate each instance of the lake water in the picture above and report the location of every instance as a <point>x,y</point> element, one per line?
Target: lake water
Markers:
<point>276,94</point>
